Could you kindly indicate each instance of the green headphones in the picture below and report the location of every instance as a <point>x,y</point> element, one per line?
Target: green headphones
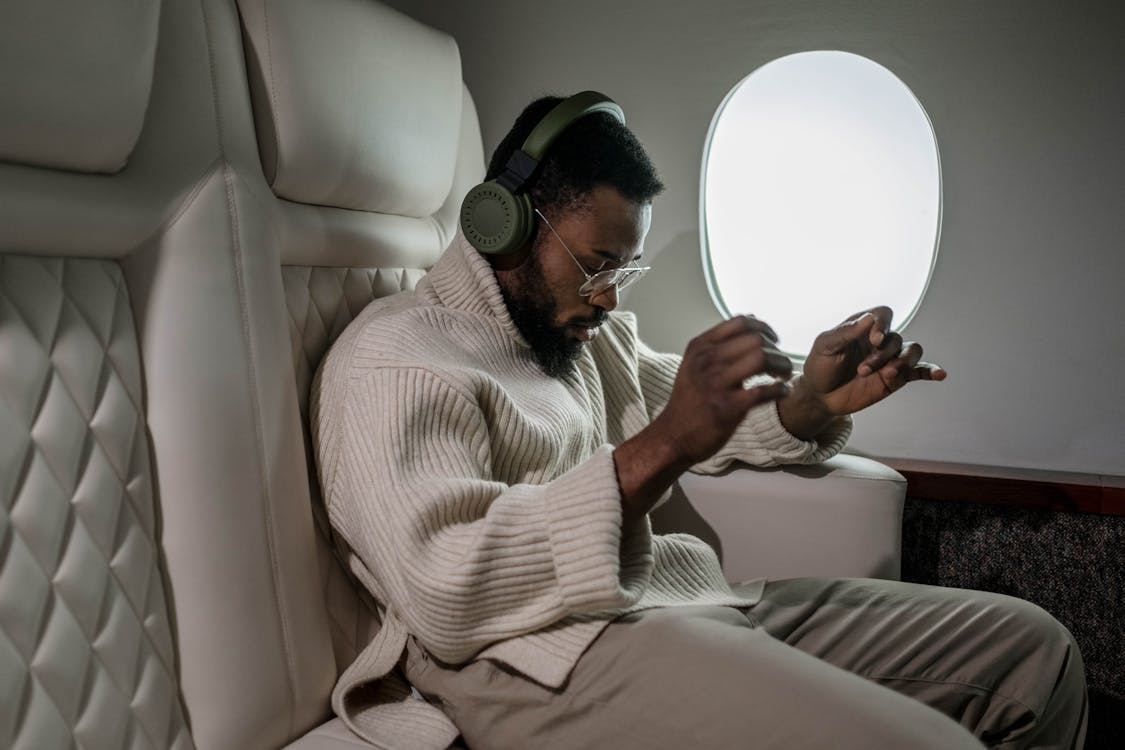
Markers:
<point>497,217</point>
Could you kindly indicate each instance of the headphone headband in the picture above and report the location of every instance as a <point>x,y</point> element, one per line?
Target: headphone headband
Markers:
<point>562,115</point>
<point>525,160</point>
<point>496,216</point>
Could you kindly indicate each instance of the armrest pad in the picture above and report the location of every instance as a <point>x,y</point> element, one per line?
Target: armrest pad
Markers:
<point>840,518</point>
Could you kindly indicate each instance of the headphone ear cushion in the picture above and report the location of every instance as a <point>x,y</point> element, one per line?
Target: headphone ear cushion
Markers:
<point>494,220</point>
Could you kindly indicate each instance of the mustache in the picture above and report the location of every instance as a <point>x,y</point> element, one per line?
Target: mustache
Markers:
<point>596,319</point>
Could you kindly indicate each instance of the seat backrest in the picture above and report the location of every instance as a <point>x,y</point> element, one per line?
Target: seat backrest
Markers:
<point>174,260</point>
<point>369,141</point>
<point>87,655</point>
<point>158,566</point>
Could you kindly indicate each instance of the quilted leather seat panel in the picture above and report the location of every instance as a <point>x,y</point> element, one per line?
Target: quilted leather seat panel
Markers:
<point>86,653</point>
<point>321,302</point>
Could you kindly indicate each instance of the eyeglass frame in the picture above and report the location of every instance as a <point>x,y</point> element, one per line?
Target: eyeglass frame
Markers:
<point>619,277</point>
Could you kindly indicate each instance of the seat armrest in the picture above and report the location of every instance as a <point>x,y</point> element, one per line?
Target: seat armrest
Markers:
<point>840,518</point>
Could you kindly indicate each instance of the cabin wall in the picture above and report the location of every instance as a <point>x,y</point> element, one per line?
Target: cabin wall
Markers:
<point>1025,308</point>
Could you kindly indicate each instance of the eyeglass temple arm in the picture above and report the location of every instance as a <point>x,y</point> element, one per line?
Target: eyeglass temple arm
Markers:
<point>560,239</point>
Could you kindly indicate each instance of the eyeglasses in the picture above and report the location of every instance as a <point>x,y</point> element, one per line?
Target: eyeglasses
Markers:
<point>599,282</point>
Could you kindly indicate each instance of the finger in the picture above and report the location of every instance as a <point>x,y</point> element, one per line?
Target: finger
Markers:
<point>891,348</point>
<point>739,346</point>
<point>757,363</point>
<point>883,316</point>
<point>838,339</point>
<point>760,394</point>
<point>900,370</point>
<point>737,325</point>
<point>927,371</point>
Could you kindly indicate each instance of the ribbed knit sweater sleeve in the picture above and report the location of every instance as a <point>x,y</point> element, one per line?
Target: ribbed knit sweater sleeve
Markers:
<point>760,440</point>
<point>464,560</point>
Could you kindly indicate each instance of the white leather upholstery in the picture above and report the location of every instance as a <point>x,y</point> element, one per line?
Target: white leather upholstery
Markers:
<point>315,235</point>
<point>839,518</point>
<point>186,222</point>
<point>402,147</point>
<point>357,105</point>
<point>321,303</point>
<point>74,81</point>
<point>85,642</point>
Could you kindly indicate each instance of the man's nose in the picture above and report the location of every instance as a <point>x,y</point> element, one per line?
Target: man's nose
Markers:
<point>605,299</point>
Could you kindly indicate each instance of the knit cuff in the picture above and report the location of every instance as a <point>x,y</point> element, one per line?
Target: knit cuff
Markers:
<point>762,440</point>
<point>584,520</point>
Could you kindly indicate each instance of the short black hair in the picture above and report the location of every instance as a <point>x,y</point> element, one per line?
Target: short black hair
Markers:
<point>595,149</point>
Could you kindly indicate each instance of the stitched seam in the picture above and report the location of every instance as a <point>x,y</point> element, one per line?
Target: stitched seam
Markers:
<point>113,574</point>
<point>961,683</point>
<point>54,373</point>
<point>33,449</point>
<point>212,77</point>
<point>174,216</point>
<point>237,257</point>
<point>272,92</point>
<point>255,406</point>
<point>56,600</point>
<point>41,397</point>
<point>107,361</point>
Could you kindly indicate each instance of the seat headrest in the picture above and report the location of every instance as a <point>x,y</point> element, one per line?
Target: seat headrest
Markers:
<point>356,105</point>
<point>74,81</point>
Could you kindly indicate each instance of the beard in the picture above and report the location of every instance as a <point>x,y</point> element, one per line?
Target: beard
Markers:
<point>533,310</point>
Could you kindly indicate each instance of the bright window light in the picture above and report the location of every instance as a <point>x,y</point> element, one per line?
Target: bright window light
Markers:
<point>820,196</point>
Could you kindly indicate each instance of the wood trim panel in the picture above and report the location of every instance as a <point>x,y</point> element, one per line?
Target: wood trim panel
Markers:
<point>1024,488</point>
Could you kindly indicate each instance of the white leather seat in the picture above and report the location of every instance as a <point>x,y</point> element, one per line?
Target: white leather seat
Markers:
<point>185,226</point>
<point>157,570</point>
<point>841,518</point>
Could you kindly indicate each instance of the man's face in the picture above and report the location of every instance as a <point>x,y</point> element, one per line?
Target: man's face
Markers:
<point>540,286</point>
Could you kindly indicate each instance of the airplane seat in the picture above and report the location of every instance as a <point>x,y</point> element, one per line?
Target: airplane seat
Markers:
<point>368,140</point>
<point>368,170</point>
<point>158,583</point>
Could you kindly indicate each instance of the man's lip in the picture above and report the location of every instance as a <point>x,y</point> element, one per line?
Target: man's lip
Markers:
<point>585,331</point>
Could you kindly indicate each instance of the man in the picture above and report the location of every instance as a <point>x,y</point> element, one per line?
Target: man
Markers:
<point>491,444</point>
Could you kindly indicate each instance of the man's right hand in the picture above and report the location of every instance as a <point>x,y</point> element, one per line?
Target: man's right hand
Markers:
<point>709,399</point>
<point>708,402</point>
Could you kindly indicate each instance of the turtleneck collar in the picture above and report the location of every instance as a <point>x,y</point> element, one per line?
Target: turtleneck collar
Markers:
<point>462,279</point>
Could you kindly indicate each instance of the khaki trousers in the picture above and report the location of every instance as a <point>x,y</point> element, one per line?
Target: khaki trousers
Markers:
<point>817,663</point>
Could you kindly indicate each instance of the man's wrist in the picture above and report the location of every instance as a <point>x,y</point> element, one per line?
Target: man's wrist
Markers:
<point>646,465</point>
<point>802,412</point>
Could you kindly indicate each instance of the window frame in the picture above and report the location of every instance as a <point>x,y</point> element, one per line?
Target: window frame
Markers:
<point>709,274</point>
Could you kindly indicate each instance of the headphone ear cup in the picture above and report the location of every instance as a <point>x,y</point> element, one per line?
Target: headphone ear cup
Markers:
<point>494,220</point>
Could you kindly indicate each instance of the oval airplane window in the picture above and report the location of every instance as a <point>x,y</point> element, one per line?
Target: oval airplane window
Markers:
<point>820,196</point>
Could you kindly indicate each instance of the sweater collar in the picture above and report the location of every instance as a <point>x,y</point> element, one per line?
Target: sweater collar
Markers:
<point>463,280</point>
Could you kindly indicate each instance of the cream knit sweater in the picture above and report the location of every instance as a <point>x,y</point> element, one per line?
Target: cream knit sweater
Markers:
<point>478,496</point>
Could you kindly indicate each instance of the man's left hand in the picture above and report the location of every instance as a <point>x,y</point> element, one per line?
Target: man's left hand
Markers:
<point>856,364</point>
